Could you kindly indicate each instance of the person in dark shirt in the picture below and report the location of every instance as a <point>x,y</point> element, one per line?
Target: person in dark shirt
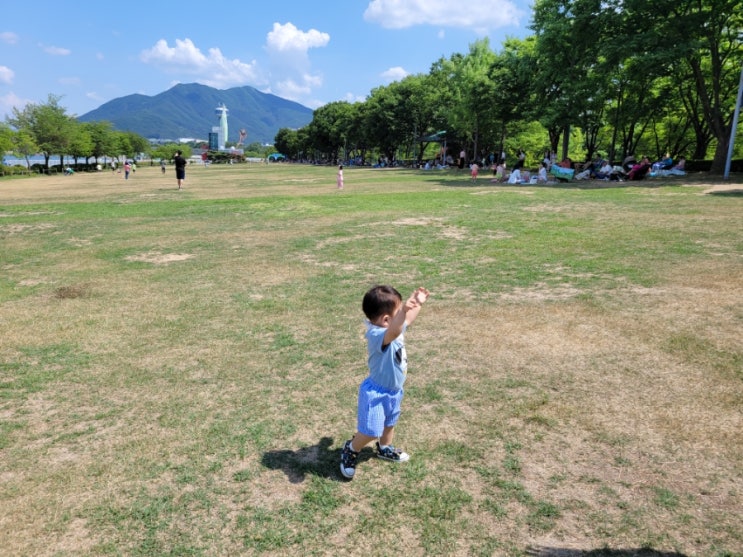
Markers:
<point>180,168</point>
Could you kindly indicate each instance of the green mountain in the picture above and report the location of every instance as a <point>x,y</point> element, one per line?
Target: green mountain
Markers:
<point>190,111</point>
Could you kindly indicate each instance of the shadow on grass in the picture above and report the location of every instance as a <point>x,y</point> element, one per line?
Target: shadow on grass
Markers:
<point>316,460</point>
<point>727,193</point>
<point>572,185</point>
<point>560,552</point>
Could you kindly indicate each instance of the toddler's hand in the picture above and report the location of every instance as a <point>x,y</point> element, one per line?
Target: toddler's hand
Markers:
<point>420,295</point>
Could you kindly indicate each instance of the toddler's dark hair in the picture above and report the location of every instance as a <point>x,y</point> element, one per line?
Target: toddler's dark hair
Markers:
<point>380,300</point>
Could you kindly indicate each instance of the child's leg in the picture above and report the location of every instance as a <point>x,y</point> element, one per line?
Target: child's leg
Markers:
<point>387,435</point>
<point>360,441</point>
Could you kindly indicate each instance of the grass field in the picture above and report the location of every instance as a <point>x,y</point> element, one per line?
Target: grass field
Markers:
<point>178,370</point>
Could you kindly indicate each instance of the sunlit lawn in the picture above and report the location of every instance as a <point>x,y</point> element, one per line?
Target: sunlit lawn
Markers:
<point>178,370</point>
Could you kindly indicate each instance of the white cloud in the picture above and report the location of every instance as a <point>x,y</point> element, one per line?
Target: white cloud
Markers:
<point>56,50</point>
<point>6,75</point>
<point>288,73</point>
<point>10,101</point>
<point>353,98</point>
<point>93,96</point>
<point>395,74</point>
<point>212,69</point>
<point>291,71</point>
<point>469,14</point>
<point>299,88</point>
<point>69,80</point>
<point>9,37</point>
<point>287,38</point>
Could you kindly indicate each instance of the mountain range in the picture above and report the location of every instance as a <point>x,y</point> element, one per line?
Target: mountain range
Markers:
<point>189,111</point>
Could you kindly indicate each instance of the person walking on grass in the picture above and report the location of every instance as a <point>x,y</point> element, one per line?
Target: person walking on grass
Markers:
<point>381,393</point>
<point>339,179</point>
<point>180,168</point>
<point>474,170</point>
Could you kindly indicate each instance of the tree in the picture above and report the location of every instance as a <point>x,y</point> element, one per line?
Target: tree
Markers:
<point>329,129</point>
<point>167,152</point>
<point>81,142</point>
<point>6,138</point>
<point>24,145</point>
<point>287,142</point>
<point>472,94</point>
<point>103,138</point>
<point>515,99</point>
<point>48,124</point>
<point>706,35</point>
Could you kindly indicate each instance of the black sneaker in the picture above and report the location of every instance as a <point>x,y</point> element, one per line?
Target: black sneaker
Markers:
<point>348,461</point>
<point>392,454</point>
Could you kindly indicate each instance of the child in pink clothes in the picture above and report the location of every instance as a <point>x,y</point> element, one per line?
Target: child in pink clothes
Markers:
<point>474,170</point>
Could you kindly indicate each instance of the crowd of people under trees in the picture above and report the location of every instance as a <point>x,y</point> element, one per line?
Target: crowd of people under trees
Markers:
<point>552,170</point>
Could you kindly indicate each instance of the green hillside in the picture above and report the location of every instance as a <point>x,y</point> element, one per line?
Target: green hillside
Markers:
<point>189,111</point>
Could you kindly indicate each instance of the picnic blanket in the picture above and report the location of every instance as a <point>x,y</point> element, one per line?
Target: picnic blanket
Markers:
<point>564,174</point>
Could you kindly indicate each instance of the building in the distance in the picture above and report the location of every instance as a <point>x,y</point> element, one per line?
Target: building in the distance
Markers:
<point>219,133</point>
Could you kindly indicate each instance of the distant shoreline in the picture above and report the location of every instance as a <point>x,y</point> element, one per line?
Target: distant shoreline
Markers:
<point>53,160</point>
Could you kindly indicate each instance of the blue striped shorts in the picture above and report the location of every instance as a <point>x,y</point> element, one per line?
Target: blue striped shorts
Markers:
<point>378,408</point>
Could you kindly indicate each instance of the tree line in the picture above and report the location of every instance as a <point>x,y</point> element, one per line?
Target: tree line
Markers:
<point>46,128</point>
<point>615,77</point>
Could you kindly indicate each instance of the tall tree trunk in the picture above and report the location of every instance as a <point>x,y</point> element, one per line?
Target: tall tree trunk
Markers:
<point>565,141</point>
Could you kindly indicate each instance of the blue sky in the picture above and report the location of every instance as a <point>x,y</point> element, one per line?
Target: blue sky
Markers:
<point>89,53</point>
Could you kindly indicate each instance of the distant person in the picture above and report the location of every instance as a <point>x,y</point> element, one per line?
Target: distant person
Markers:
<point>639,170</point>
<point>542,174</point>
<point>679,169</point>
<point>474,170</point>
<point>520,160</point>
<point>666,163</point>
<point>339,178</point>
<point>127,170</point>
<point>113,166</point>
<point>547,160</point>
<point>180,168</point>
<point>162,165</point>
<point>515,176</point>
<point>500,172</point>
<point>462,158</point>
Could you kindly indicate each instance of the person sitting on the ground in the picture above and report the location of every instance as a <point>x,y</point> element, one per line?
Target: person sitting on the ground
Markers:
<point>567,162</point>
<point>542,174</point>
<point>605,172</point>
<point>666,163</point>
<point>547,158</point>
<point>68,171</point>
<point>639,170</point>
<point>515,177</point>
<point>679,169</point>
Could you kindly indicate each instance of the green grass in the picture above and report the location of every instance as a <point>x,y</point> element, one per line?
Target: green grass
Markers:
<point>178,370</point>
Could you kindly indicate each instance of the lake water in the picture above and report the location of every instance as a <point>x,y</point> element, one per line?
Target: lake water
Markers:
<point>53,160</point>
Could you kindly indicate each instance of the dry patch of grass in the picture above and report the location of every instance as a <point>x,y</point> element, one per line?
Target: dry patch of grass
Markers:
<point>160,258</point>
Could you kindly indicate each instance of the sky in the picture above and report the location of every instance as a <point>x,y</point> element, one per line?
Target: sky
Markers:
<point>88,53</point>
